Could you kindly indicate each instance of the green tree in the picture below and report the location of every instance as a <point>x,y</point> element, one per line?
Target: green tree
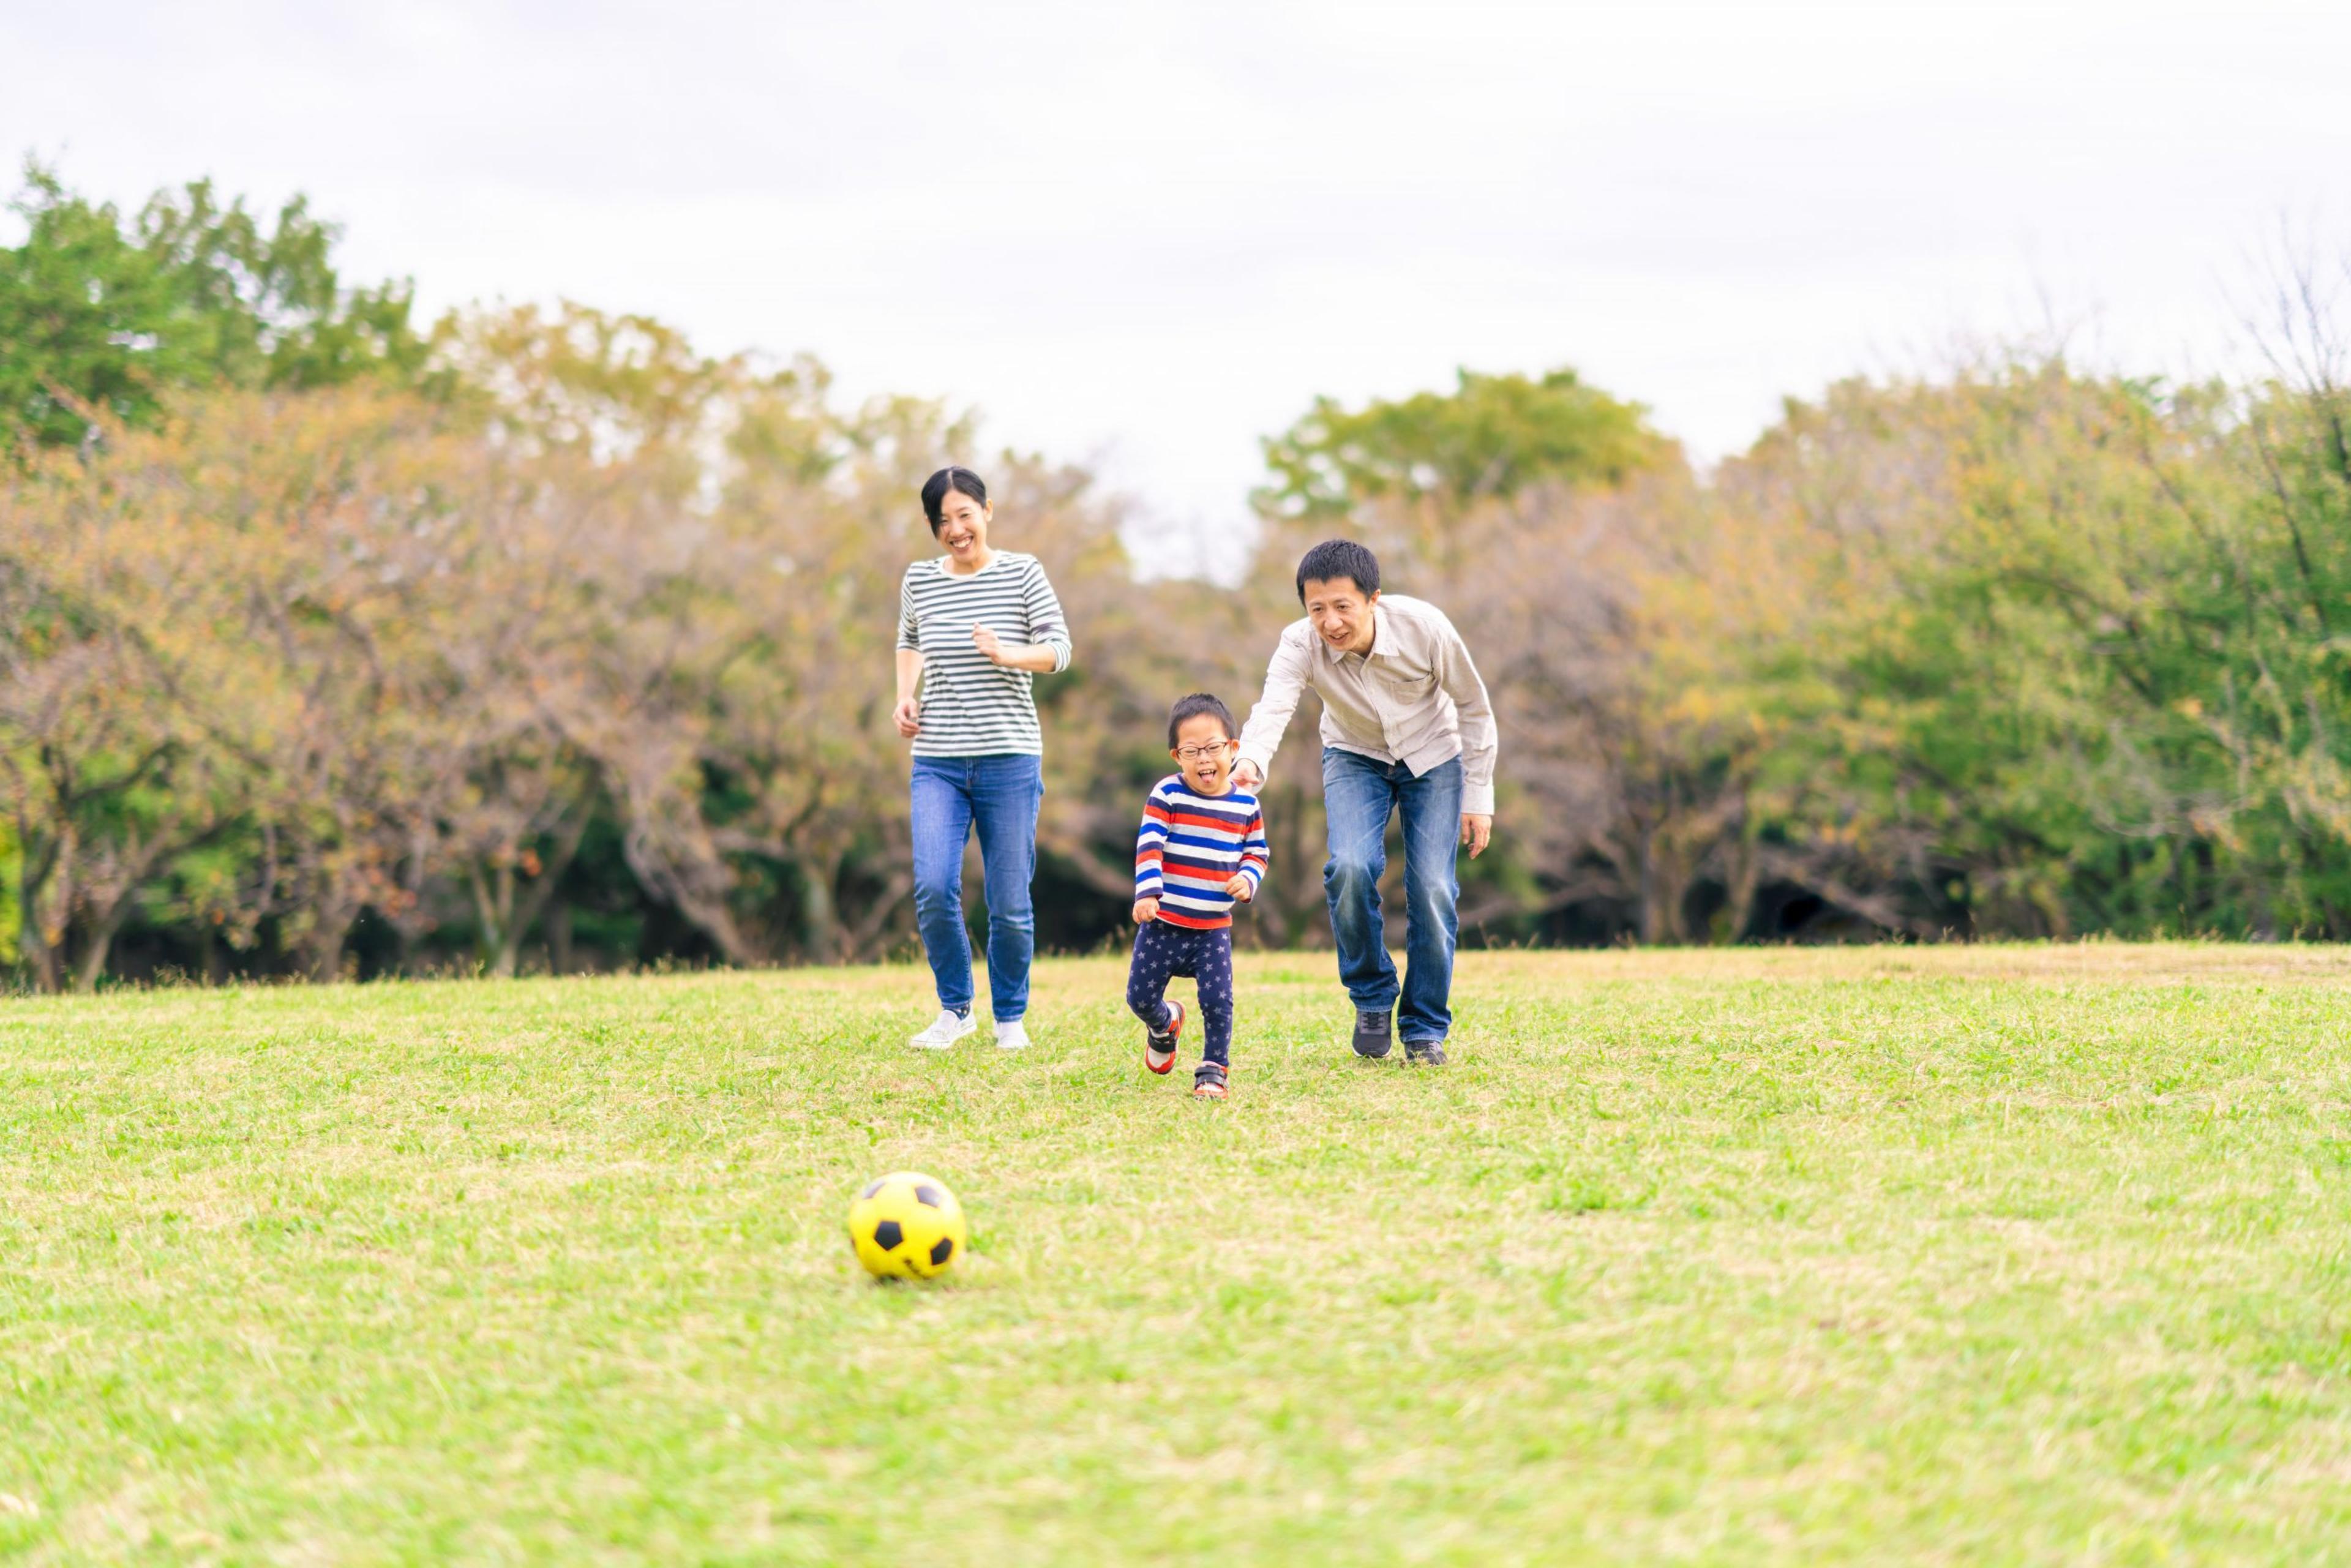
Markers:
<point>2072,663</point>
<point>102,315</point>
<point>1494,435</point>
<point>11,917</point>
<point>1480,498</point>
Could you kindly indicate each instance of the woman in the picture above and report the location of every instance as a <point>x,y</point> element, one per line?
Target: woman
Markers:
<point>975,626</point>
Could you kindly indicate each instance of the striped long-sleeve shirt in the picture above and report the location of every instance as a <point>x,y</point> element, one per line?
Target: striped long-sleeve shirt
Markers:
<point>1190,846</point>
<point>972,707</point>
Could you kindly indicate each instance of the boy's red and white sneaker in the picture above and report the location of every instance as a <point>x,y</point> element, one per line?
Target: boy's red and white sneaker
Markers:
<point>1159,1044</point>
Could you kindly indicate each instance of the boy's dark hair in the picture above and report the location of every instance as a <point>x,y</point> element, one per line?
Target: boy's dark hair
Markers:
<point>935,488</point>
<point>1335,558</point>
<point>1192,707</point>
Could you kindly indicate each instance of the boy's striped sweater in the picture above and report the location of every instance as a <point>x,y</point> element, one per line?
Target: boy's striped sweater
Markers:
<point>1190,846</point>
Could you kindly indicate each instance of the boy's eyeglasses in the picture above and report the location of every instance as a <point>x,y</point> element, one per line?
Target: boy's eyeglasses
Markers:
<point>1197,753</point>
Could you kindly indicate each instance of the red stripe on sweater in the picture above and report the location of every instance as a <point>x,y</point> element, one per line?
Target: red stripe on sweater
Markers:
<point>1195,922</point>
<point>1237,829</point>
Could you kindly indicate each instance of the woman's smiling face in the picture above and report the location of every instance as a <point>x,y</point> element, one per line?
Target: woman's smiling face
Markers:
<point>963,529</point>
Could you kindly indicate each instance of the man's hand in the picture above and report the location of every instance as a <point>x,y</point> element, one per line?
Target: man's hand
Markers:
<point>1477,827</point>
<point>908,716</point>
<point>991,647</point>
<point>1246,777</point>
<point>1146,910</point>
<point>1241,886</point>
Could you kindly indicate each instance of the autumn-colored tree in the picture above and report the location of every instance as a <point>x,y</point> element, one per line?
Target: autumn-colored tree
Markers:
<point>105,770</point>
<point>568,628</point>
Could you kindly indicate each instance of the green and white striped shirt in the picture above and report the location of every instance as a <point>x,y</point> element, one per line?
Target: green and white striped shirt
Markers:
<point>972,707</point>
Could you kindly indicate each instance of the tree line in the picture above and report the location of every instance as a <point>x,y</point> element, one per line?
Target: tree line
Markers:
<point>333,646</point>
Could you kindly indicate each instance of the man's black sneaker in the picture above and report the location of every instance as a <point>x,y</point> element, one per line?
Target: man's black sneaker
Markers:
<point>1426,1052</point>
<point>1372,1034</point>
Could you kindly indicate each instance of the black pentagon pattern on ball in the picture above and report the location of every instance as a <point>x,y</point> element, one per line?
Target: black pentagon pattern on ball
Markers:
<point>929,1197</point>
<point>887,1235</point>
<point>879,1183</point>
<point>942,1252</point>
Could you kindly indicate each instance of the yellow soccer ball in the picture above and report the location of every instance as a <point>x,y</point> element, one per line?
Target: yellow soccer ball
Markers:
<point>907,1224</point>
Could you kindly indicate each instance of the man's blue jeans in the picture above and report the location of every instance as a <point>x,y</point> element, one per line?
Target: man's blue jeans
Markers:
<point>999,795</point>
<point>1358,793</point>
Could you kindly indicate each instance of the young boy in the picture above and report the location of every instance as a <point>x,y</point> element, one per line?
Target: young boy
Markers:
<point>1201,847</point>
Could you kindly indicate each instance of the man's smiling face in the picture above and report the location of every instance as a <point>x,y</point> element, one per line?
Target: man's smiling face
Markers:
<point>1341,613</point>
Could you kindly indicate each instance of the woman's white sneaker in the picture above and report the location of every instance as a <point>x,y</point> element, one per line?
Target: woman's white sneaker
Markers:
<point>1013,1036</point>
<point>945,1030</point>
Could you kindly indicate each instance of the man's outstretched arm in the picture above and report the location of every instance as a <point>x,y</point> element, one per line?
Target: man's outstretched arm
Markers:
<point>1480,739</point>
<point>1285,680</point>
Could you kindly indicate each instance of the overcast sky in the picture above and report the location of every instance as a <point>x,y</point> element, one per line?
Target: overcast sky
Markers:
<point>1145,235</point>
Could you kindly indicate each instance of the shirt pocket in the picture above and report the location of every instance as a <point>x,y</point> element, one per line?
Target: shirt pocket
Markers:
<point>1405,690</point>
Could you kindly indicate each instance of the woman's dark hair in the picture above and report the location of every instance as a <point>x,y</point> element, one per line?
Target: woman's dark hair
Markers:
<point>935,492</point>
<point>1192,707</point>
<point>1331,560</point>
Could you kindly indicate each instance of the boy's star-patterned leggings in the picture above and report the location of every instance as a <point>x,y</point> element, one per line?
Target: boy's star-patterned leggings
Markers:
<point>1162,952</point>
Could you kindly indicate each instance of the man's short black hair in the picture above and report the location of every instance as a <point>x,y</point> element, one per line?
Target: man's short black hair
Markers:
<point>1192,707</point>
<point>1335,558</point>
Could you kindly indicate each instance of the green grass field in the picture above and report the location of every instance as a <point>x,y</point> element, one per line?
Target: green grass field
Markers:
<point>1948,1255</point>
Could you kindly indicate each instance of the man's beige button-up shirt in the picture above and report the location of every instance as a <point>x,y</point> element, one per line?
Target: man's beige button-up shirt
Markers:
<point>1414,698</point>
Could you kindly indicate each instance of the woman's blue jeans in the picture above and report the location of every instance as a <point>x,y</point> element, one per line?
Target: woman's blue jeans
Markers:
<point>1359,794</point>
<point>1000,796</point>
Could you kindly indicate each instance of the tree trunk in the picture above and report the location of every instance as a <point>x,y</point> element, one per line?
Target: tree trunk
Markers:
<point>558,922</point>
<point>1743,870</point>
<point>323,949</point>
<point>867,932</point>
<point>1665,884</point>
<point>696,888</point>
<point>39,936</point>
<point>821,925</point>
<point>43,960</point>
<point>493,916</point>
<point>517,916</point>
<point>98,945</point>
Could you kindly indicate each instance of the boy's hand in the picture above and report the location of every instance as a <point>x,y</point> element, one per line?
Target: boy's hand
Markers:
<point>1241,887</point>
<point>1146,910</point>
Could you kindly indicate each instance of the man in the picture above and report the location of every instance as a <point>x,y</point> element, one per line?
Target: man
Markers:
<point>1405,727</point>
